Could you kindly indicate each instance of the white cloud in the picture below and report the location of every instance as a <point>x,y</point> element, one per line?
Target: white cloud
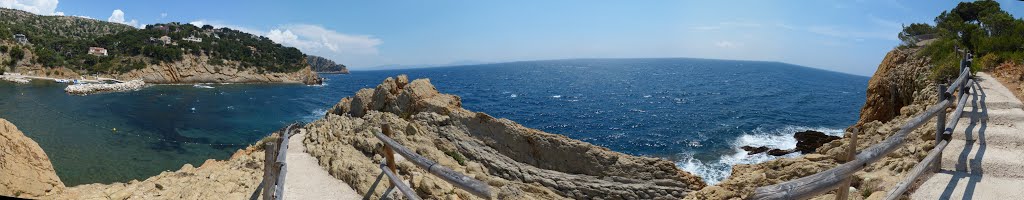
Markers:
<point>317,39</point>
<point>727,44</point>
<point>313,40</point>
<point>118,17</point>
<point>724,25</point>
<point>163,15</point>
<point>39,7</point>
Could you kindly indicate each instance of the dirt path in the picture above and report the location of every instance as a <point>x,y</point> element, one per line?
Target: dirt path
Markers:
<point>985,158</point>
<point>307,180</point>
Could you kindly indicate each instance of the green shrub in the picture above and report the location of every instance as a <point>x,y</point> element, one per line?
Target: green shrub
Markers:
<point>457,156</point>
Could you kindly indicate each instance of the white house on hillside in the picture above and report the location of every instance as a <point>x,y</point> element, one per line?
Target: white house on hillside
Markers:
<point>97,51</point>
<point>20,38</point>
<point>193,38</point>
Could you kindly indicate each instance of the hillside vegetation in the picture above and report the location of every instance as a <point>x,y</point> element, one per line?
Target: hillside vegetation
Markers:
<point>61,41</point>
<point>990,33</point>
<point>324,65</point>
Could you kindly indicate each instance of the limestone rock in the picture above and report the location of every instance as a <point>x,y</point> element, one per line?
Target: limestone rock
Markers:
<point>196,69</point>
<point>25,170</point>
<point>900,74</point>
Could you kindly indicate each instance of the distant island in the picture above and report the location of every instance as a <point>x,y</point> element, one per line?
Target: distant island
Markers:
<point>74,48</point>
<point>324,65</point>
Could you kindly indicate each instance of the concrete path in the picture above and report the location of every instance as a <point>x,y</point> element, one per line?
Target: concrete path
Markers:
<point>307,180</point>
<point>985,158</point>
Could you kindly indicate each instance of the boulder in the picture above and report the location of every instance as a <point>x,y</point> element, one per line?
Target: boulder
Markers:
<point>25,170</point>
<point>755,150</point>
<point>809,141</point>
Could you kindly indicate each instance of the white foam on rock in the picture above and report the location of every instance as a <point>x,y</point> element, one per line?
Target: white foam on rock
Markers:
<point>715,171</point>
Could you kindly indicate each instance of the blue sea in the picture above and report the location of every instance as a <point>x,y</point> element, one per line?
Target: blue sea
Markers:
<point>696,112</point>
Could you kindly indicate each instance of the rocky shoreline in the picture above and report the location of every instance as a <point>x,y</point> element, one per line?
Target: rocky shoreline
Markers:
<point>517,162</point>
<point>898,90</point>
<point>84,89</point>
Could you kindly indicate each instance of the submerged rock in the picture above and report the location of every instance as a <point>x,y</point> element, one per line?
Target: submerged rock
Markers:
<point>517,162</point>
<point>25,170</point>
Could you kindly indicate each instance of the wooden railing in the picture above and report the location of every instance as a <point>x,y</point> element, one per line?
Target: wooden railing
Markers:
<point>388,169</point>
<point>274,166</point>
<point>839,177</point>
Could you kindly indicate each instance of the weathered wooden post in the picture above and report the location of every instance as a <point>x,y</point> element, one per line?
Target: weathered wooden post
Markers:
<point>388,153</point>
<point>940,125</point>
<point>843,192</point>
<point>269,161</point>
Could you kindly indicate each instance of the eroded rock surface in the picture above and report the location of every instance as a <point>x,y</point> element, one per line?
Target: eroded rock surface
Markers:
<point>196,69</point>
<point>517,162</point>
<point>25,170</point>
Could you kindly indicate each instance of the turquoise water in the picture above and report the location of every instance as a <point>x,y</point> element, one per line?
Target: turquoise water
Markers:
<point>696,112</point>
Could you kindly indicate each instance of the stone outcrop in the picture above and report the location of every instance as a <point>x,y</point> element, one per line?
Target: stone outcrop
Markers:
<point>324,65</point>
<point>84,89</point>
<point>809,141</point>
<point>235,178</point>
<point>899,76</point>
<point>517,162</point>
<point>806,142</point>
<point>25,170</point>
<point>196,69</point>
<point>899,90</point>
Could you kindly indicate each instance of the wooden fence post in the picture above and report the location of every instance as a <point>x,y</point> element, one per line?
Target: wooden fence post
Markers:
<point>843,192</point>
<point>388,153</point>
<point>940,125</point>
<point>270,160</point>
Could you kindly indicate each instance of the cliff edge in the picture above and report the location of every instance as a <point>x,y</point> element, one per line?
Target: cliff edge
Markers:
<point>25,170</point>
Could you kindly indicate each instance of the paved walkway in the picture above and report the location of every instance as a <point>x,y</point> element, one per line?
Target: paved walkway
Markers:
<point>307,180</point>
<point>985,158</point>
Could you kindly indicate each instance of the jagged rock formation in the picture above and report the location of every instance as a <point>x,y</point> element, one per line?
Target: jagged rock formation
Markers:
<point>806,142</point>
<point>517,162</point>
<point>324,65</point>
<point>196,69</point>
<point>235,178</point>
<point>25,170</point>
<point>899,90</point>
<point>893,85</point>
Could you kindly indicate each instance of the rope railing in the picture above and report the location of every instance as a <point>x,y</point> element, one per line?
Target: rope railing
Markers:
<point>838,177</point>
<point>459,180</point>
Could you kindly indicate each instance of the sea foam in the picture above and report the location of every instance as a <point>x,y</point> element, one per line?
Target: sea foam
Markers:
<point>715,171</point>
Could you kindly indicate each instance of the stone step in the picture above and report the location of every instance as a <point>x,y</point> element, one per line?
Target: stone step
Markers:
<point>987,160</point>
<point>1002,136</point>
<point>993,115</point>
<point>1000,132</point>
<point>963,185</point>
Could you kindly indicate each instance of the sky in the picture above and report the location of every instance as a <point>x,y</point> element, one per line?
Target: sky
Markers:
<point>844,36</point>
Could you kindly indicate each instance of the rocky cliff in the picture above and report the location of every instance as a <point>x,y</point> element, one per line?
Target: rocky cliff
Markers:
<point>516,161</point>
<point>25,170</point>
<point>899,89</point>
<point>324,65</point>
<point>196,69</point>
